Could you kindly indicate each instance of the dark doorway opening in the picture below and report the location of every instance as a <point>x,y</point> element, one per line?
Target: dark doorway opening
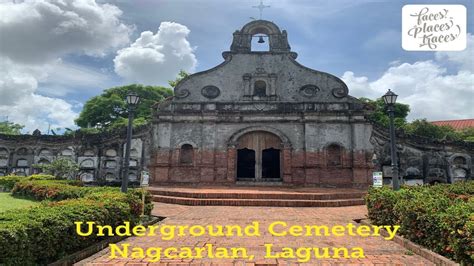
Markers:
<point>271,163</point>
<point>245,163</point>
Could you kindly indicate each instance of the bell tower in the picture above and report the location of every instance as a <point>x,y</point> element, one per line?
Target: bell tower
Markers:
<point>278,40</point>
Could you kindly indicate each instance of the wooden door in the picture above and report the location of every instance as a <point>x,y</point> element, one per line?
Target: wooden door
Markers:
<point>259,141</point>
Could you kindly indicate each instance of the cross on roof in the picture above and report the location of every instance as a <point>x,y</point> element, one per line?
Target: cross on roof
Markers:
<point>260,7</point>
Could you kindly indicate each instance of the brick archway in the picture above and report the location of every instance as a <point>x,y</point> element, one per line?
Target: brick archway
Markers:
<point>269,149</point>
<point>233,140</point>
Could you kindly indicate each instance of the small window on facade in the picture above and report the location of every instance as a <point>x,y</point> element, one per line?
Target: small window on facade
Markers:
<point>186,154</point>
<point>260,88</point>
<point>334,155</point>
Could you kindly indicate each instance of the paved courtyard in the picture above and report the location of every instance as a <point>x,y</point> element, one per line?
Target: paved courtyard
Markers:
<point>377,250</point>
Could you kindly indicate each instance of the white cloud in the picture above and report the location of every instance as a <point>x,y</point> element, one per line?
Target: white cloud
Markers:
<point>19,101</point>
<point>15,81</point>
<point>154,59</point>
<point>35,34</point>
<point>426,86</point>
<point>37,112</point>
<point>463,58</point>
<point>40,30</point>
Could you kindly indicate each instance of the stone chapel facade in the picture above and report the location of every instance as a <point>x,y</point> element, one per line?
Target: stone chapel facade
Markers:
<point>262,117</point>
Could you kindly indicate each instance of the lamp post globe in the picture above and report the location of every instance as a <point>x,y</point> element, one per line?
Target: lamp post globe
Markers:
<point>390,98</point>
<point>132,100</point>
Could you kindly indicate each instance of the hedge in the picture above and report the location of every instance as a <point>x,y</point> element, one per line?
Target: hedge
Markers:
<point>44,234</point>
<point>56,190</point>
<point>8,182</point>
<point>439,217</point>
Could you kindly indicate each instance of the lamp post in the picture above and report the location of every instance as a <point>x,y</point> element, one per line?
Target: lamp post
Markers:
<point>390,98</point>
<point>132,101</point>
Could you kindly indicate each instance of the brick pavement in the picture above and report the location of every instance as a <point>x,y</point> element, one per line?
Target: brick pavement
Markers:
<point>377,250</point>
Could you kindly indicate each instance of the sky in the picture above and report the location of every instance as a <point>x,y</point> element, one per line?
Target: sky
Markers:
<point>56,54</point>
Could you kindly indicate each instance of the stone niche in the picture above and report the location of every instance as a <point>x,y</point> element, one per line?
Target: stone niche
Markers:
<point>68,152</point>
<point>110,164</point>
<point>110,153</point>
<point>4,158</point>
<point>87,176</point>
<point>136,148</point>
<point>133,176</point>
<point>22,163</point>
<point>459,167</point>
<point>110,177</point>
<point>87,162</point>
<point>88,153</point>
<point>435,168</point>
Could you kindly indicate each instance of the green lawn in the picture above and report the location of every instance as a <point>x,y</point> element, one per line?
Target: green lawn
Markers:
<point>7,202</point>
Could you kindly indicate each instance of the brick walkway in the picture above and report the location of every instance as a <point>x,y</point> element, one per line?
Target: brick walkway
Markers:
<point>377,250</point>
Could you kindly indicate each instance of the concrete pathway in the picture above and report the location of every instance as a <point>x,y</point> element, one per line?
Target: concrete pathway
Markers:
<point>377,250</point>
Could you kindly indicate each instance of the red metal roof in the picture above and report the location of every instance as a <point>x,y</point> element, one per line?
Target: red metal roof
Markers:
<point>456,124</point>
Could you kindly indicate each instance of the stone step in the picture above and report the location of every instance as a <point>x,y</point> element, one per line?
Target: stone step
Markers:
<point>259,195</point>
<point>257,202</point>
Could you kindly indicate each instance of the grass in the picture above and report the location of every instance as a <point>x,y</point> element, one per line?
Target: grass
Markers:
<point>8,202</point>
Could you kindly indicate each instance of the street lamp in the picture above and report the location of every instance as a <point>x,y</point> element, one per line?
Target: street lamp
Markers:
<point>390,98</point>
<point>132,101</point>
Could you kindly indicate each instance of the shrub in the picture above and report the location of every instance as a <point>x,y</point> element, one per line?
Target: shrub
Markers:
<point>419,220</point>
<point>51,190</point>
<point>61,168</point>
<point>44,234</point>
<point>8,182</point>
<point>439,217</point>
<point>41,177</point>
<point>458,224</point>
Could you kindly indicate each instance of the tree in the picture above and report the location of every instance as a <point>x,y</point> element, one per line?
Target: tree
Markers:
<point>181,75</point>
<point>467,134</point>
<point>109,110</point>
<point>380,115</point>
<point>422,127</point>
<point>61,168</point>
<point>10,128</point>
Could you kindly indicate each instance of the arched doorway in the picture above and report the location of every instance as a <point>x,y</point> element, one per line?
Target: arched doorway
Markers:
<point>259,156</point>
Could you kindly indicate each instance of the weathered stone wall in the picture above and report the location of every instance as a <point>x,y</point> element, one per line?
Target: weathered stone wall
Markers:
<point>100,156</point>
<point>285,79</point>
<point>423,160</point>
<point>305,135</point>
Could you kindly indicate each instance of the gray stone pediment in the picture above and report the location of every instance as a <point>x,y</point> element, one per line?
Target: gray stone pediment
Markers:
<point>284,79</point>
<point>254,76</point>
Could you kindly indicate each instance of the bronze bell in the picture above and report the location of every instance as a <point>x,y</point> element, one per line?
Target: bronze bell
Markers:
<point>260,39</point>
